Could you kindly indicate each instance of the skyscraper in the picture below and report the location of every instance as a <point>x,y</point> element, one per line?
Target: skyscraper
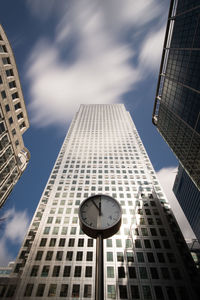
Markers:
<point>177,106</point>
<point>13,121</point>
<point>188,197</point>
<point>147,259</point>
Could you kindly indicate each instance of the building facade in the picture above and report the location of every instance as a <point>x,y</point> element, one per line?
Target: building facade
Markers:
<point>13,121</point>
<point>188,197</point>
<point>147,259</point>
<point>177,106</point>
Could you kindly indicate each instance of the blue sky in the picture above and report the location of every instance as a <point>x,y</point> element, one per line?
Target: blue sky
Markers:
<point>74,52</point>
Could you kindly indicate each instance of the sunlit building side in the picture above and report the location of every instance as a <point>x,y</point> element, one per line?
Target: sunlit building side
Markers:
<point>148,257</point>
<point>13,121</point>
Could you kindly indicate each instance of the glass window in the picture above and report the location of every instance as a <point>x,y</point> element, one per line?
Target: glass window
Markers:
<point>118,243</point>
<point>171,293</point>
<point>111,292</point>
<point>159,292</point>
<point>40,290</point>
<point>135,292</point>
<point>161,257</point>
<point>45,271</point>
<point>129,256</point>
<point>80,242</point>
<point>165,273</point>
<point>52,290</point>
<point>146,292</point>
<point>69,255</point>
<point>154,273</point>
<point>110,272</point>
<point>147,244</point>
<point>75,290</point>
<point>87,291</point>
<point>46,230</point>
<point>71,242</point>
<point>66,271</point>
<point>123,292</point>
<point>34,270</point>
<point>62,243</point>
<point>143,273</point>
<point>56,271</point>
<point>43,242</point>
<point>39,255</point>
<point>90,243</point>
<point>140,256</point>
<point>121,272</point>
<point>64,290</point>
<point>77,271</point>
<point>73,230</point>
<point>132,272</point>
<point>138,244</point>
<point>59,255</point>
<point>109,243</point>
<point>79,256</point>
<point>52,242</point>
<point>49,255</point>
<point>28,290</point>
<point>120,256</point>
<point>88,271</point>
<point>89,256</point>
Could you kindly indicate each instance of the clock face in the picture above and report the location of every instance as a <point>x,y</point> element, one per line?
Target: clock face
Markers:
<point>99,213</point>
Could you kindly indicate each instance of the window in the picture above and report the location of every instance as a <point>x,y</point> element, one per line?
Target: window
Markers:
<point>150,257</point>
<point>138,244</point>
<point>46,230</point>
<point>147,292</point>
<point>10,120</point>
<point>111,292</point>
<point>128,243</point>
<point>3,49</point>
<point>161,257</point>
<point>71,242</point>
<point>110,272</point>
<point>171,293</point>
<point>11,291</point>
<point>69,255</point>
<point>40,290</point>
<point>140,256</point>
<point>79,256</point>
<point>66,271</point>
<point>87,291</point>
<point>56,271</point>
<point>165,273</point>
<point>157,244</point>
<point>55,230</point>
<point>34,270</point>
<point>132,272</point>
<point>52,242</point>
<point>147,244</point>
<point>129,256</point>
<point>6,60</point>
<point>154,273</point>
<point>75,290</point>
<point>171,257</point>
<point>89,256</point>
<point>9,73</point>
<point>3,94</point>
<point>135,292</point>
<point>166,244</point>
<point>121,272</point>
<point>62,243</point>
<point>15,96</point>
<point>88,271</point>
<point>43,242</point>
<point>80,242</point>
<point>7,108</point>
<point>14,131</point>
<point>109,243</point>
<point>153,231</point>
<point>118,243</point>
<point>90,243</point>
<point>77,271</point>
<point>120,256</point>
<point>12,84</point>
<point>176,273</point>
<point>59,255</point>
<point>49,255</point>
<point>64,290</point>
<point>159,292</point>
<point>143,273</point>
<point>28,290</point>
<point>73,230</point>
<point>52,290</point>
<point>2,128</point>
<point>45,271</point>
<point>39,255</point>
<point>123,292</point>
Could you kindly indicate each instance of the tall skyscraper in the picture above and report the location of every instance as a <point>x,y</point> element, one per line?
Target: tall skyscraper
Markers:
<point>188,197</point>
<point>177,106</point>
<point>147,259</point>
<point>13,121</point>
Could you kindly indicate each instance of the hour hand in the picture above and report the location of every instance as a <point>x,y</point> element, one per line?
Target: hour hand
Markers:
<point>95,204</point>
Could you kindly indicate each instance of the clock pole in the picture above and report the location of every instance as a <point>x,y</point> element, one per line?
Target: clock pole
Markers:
<point>99,276</point>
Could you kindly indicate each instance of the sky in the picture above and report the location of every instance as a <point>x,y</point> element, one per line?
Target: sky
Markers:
<point>82,52</point>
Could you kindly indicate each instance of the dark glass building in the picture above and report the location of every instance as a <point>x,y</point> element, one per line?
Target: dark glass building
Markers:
<point>189,198</point>
<point>177,106</point>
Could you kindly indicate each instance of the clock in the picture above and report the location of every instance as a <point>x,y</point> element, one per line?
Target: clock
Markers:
<point>100,215</point>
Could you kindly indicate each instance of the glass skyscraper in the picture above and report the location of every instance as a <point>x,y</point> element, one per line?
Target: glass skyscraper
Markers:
<point>147,259</point>
<point>177,106</point>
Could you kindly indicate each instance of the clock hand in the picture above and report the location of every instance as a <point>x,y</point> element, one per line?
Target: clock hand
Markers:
<point>100,208</point>
<point>95,204</point>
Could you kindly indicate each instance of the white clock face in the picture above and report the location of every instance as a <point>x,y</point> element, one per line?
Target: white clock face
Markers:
<point>100,212</point>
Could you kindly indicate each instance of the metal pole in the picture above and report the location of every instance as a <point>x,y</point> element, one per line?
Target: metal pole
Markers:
<point>99,276</point>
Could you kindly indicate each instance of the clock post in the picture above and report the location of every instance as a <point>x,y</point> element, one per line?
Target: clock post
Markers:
<point>100,218</point>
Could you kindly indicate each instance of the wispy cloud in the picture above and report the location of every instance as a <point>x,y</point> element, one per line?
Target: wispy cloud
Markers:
<point>13,227</point>
<point>92,57</point>
<point>166,177</point>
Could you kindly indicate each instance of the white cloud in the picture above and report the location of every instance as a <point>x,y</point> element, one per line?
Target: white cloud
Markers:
<point>89,60</point>
<point>151,49</point>
<point>14,225</point>
<point>166,177</point>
